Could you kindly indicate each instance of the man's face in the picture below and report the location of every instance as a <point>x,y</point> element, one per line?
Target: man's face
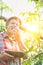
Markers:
<point>13,25</point>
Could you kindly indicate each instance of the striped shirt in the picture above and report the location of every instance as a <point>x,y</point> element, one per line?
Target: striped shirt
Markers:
<point>3,46</point>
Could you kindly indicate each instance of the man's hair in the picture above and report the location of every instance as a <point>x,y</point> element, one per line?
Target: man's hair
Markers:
<point>15,18</point>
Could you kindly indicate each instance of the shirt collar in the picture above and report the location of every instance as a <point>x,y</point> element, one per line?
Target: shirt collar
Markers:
<point>5,35</point>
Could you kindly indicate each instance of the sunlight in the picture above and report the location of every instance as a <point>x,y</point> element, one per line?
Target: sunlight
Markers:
<point>32,27</point>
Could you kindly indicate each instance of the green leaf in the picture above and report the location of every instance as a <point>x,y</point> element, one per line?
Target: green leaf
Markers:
<point>3,6</point>
<point>22,13</point>
<point>29,0</point>
<point>10,9</point>
<point>39,63</point>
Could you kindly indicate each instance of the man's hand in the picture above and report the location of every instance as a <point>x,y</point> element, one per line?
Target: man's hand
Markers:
<point>25,56</point>
<point>5,56</point>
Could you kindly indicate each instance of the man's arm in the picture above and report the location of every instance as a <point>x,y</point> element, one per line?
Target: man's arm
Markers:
<point>23,28</point>
<point>5,56</point>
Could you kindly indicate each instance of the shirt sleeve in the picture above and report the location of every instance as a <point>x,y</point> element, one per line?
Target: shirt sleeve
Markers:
<point>1,43</point>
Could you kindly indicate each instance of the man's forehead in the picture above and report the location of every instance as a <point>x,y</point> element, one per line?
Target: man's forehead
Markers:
<point>14,21</point>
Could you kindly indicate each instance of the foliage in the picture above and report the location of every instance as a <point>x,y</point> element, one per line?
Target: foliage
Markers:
<point>34,60</point>
<point>3,6</point>
<point>34,40</point>
<point>2,26</point>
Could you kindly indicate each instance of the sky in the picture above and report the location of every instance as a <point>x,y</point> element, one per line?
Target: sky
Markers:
<point>18,6</point>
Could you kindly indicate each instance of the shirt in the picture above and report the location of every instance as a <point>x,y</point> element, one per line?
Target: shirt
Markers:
<point>3,46</point>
